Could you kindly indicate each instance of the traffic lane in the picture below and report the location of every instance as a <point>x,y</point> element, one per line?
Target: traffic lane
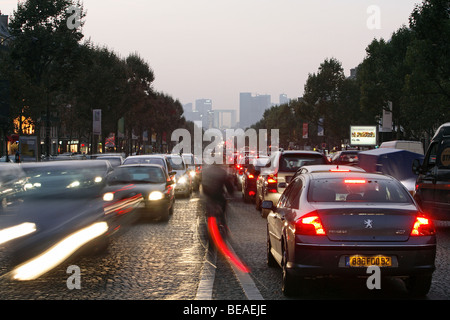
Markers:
<point>152,260</point>
<point>249,238</point>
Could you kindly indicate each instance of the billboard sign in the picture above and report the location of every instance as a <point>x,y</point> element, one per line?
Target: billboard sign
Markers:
<point>363,135</point>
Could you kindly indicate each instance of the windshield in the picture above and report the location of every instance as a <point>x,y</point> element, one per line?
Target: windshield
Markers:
<point>291,162</point>
<point>64,181</point>
<point>137,175</point>
<point>177,163</point>
<point>357,190</point>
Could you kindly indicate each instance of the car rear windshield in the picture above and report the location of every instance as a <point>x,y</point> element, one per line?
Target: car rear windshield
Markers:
<point>357,190</point>
<point>137,175</point>
<point>145,161</point>
<point>292,162</point>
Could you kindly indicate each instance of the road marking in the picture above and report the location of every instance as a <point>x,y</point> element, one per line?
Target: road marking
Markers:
<point>246,282</point>
<point>205,287</point>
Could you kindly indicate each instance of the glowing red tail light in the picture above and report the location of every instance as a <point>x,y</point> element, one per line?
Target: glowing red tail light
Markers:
<point>272,178</point>
<point>250,176</point>
<point>310,225</point>
<point>423,227</point>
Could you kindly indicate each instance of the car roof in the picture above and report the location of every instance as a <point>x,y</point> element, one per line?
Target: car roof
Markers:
<point>331,167</point>
<point>367,175</point>
<point>148,156</point>
<point>299,152</point>
<point>140,165</point>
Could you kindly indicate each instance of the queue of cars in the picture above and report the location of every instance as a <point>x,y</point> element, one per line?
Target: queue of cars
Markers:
<point>51,210</point>
<point>331,218</point>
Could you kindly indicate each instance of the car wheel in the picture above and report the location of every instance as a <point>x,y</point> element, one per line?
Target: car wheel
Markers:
<point>257,203</point>
<point>271,262</point>
<point>289,282</point>
<point>165,215</point>
<point>418,286</point>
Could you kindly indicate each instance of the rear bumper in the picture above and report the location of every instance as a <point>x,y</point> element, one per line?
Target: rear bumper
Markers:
<point>330,260</point>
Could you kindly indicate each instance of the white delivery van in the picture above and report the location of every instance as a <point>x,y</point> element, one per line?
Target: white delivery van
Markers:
<point>413,146</point>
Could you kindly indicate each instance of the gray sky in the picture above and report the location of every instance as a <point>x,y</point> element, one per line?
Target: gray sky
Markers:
<point>217,48</point>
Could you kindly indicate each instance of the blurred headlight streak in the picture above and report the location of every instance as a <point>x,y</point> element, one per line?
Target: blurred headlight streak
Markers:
<point>18,231</point>
<point>155,195</point>
<point>182,180</point>
<point>109,196</point>
<point>74,184</point>
<point>36,267</point>
<point>192,174</point>
<point>98,179</point>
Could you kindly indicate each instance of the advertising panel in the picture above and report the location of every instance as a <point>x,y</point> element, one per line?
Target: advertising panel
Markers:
<point>363,135</point>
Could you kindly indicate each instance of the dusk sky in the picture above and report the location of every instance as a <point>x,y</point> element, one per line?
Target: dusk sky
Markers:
<point>216,49</point>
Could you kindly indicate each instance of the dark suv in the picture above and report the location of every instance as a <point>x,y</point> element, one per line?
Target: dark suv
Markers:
<point>433,182</point>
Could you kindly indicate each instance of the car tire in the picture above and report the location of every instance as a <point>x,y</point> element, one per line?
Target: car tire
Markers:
<point>289,285</point>
<point>258,203</point>
<point>271,262</point>
<point>418,286</point>
<point>165,215</point>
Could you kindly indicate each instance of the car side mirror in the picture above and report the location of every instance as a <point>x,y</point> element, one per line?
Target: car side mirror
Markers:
<point>266,204</point>
<point>417,167</point>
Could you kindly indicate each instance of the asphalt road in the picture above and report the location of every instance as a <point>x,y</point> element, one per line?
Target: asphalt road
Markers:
<point>155,260</point>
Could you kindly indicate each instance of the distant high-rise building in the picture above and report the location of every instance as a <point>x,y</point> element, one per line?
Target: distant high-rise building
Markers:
<point>204,109</point>
<point>251,108</point>
<point>4,31</point>
<point>283,99</point>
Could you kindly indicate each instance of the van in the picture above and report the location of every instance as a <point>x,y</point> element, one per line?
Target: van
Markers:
<point>432,191</point>
<point>413,146</point>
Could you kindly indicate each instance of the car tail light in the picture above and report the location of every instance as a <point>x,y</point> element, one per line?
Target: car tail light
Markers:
<point>310,225</point>
<point>272,178</point>
<point>250,176</point>
<point>272,183</point>
<point>423,226</point>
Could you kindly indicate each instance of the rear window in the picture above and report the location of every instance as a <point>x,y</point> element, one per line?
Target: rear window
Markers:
<point>137,175</point>
<point>357,190</point>
<point>145,161</point>
<point>292,162</point>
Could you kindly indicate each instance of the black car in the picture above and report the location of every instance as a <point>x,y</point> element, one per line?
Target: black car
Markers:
<point>151,182</point>
<point>340,223</point>
<point>250,177</point>
<point>61,213</point>
<point>346,157</point>
<point>432,190</point>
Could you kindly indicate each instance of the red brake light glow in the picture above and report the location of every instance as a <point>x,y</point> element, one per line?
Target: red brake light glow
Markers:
<point>423,227</point>
<point>339,170</point>
<point>355,181</point>
<point>310,225</point>
<point>272,179</point>
<point>250,176</point>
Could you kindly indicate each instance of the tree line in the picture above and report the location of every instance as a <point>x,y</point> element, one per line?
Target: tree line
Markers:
<point>56,78</point>
<point>407,75</point>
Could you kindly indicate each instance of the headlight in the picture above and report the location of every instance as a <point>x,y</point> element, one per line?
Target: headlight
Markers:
<point>16,231</point>
<point>192,174</point>
<point>109,196</point>
<point>182,180</point>
<point>155,195</point>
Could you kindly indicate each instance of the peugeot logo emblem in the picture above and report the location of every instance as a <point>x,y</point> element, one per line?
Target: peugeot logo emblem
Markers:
<point>368,223</point>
